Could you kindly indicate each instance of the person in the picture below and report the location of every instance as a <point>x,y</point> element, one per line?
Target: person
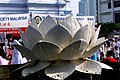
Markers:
<point>108,45</point>
<point>109,57</point>
<point>116,48</point>
<point>8,52</point>
<point>16,55</point>
<point>116,52</point>
<point>3,59</point>
<point>116,43</point>
<point>94,57</point>
<point>98,53</point>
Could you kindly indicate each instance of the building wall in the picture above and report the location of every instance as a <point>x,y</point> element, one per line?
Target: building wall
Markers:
<point>106,14</point>
<point>13,1</point>
<point>92,7</point>
<point>104,7</point>
<point>87,8</point>
<point>81,8</point>
<point>53,7</point>
<point>13,6</point>
<point>106,17</point>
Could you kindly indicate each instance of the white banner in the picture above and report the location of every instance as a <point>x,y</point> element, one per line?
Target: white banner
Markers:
<point>13,20</point>
<point>89,20</point>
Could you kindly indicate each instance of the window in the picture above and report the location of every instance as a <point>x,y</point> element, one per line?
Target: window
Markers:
<point>117,17</point>
<point>109,5</point>
<point>116,4</point>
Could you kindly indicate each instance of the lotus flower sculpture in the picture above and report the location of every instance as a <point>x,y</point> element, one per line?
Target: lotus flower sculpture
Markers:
<point>61,48</point>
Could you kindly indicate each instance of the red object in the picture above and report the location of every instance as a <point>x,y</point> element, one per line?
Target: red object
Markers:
<point>13,31</point>
<point>9,56</point>
<point>110,60</point>
<point>9,53</point>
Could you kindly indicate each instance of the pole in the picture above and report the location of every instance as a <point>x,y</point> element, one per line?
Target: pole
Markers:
<point>30,17</point>
<point>58,6</point>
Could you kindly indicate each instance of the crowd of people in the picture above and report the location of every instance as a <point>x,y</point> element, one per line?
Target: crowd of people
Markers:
<point>109,52</point>
<point>113,45</point>
<point>9,54</point>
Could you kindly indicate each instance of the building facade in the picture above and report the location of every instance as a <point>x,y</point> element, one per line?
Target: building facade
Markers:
<point>109,11</point>
<point>28,8</point>
<point>87,8</point>
<point>51,7</point>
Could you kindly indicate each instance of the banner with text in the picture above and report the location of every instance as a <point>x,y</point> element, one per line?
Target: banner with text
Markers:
<point>90,20</point>
<point>13,20</point>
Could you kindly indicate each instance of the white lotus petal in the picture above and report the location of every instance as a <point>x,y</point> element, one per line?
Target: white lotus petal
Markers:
<point>46,51</point>
<point>87,66</point>
<point>36,67</point>
<point>74,50</point>
<point>83,33</point>
<point>59,35</point>
<point>47,24</point>
<point>71,24</point>
<point>60,70</point>
<point>99,41</point>
<point>28,64</point>
<point>33,35</point>
<point>80,24</point>
<point>25,52</point>
<point>25,42</point>
<point>94,39</point>
<point>92,32</point>
<point>103,65</point>
<point>90,52</point>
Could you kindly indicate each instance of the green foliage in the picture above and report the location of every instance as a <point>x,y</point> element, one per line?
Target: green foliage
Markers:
<point>107,28</point>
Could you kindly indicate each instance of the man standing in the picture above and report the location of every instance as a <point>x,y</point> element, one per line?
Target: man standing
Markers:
<point>116,48</point>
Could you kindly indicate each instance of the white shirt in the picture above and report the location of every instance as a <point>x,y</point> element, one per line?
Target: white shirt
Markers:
<point>16,55</point>
<point>116,44</point>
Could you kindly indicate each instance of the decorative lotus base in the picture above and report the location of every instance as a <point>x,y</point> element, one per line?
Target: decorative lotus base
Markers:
<point>105,75</point>
<point>75,76</point>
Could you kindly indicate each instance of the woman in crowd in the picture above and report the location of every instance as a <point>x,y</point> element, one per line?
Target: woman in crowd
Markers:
<point>16,57</point>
